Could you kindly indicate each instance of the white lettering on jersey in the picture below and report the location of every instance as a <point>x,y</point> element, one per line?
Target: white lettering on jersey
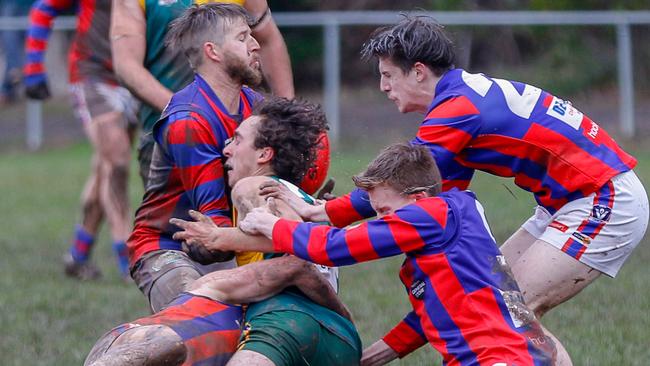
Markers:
<point>479,83</point>
<point>594,130</point>
<point>520,104</point>
<point>564,111</point>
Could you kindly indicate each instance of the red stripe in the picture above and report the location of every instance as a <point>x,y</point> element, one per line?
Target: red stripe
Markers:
<point>359,245</point>
<point>191,131</point>
<point>283,236</point>
<point>437,208</point>
<point>402,339</point>
<point>477,316</point>
<point>35,45</point>
<point>210,345</point>
<point>317,245</point>
<point>448,184</point>
<point>405,235</point>
<point>453,108</point>
<point>86,14</point>
<point>450,138</point>
<point>228,123</point>
<point>40,18</point>
<point>33,68</point>
<point>341,212</point>
<point>430,331</point>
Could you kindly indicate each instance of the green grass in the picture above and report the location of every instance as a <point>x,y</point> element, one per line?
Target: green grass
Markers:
<point>47,319</point>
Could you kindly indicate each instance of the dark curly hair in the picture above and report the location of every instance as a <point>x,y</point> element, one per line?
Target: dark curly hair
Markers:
<point>292,129</point>
<point>414,39</point>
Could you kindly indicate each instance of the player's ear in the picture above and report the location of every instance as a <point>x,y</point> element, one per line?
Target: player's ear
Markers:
<point>265,155</point>
<point>419,195</point>
<point>211,51</point>
<point>420,70</point>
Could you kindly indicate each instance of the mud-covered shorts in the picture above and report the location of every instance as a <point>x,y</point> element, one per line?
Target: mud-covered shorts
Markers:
<point>291,338</point>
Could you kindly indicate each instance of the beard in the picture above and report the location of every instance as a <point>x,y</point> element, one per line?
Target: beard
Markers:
<point>238,70</point>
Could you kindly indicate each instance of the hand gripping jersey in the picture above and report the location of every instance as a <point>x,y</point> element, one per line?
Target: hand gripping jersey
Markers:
<point>465,302</point>
<point>90,52</point>
<point>187,168</point>
<point>170,68</point>
<point>209,329</point>
<point>510,129</point>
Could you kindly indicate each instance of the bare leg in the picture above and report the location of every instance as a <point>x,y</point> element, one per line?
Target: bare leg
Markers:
<point>249,358</point>
<point>150,345</point>
<point>546,276</point>
<point>114,150</point>
<point>91,209</point>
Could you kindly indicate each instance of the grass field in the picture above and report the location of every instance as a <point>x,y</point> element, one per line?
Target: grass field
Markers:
<point>47,319</point>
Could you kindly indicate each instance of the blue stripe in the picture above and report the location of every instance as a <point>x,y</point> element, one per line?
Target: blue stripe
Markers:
<point>604,195</point>
<point>300,240</point>
<point>442,321</point>
<point>46,8</point>
<point>216,360</point>
<point>39,33</point>
<point>186,155</point>
<point>382,240</point>
<point>34,57</point>
<point>206,192</point>
<point>169,244</point>
<point>337,248</point>
<point>449,168</point>
<point>431,233</point>
<point>574,248</point>
<point>361,203</point>
<point>225,319</point>
<point>413,321</point>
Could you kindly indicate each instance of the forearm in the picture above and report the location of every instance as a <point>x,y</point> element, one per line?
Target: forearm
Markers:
<point>379,353</point>
<point>129,45</point>
<point>234,239</point>
<point>128,53</point>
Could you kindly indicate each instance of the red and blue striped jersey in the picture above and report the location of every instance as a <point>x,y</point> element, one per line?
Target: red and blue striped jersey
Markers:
<point>509,129</point>
<point>187,169</point>
<point>209,329</point>
<point>90,52</point>
<point>465,302</point>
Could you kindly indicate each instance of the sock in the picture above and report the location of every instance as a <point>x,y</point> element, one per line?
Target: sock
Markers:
<point>122,255</point>
<point>83,243</point>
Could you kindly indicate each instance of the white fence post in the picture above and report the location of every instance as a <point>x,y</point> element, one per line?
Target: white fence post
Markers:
<point>332,89</point>
<point>625,80</point>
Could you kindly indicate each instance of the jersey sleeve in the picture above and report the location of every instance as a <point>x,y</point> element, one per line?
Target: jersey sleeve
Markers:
<point>406,336</point>
<point>192,146</point>
<point>352,207</point>
<point>446,131</point>
<point>406,230</point>
<point>41,18</point>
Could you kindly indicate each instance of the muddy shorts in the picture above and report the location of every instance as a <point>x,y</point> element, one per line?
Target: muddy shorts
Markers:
<point>91,98</point>
<point>291,338</point>
<point>163,274</point>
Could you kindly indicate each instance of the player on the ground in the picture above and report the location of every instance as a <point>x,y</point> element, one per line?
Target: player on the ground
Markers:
<point>187,168</point>
<point>203,325</point>
<point>107,112</point>
<point>465,302</point>
<point>276,145</point>
<point>592,209</point>
<point>153,72</point>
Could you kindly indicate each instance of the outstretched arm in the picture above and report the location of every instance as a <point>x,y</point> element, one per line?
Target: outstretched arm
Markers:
<point>260,280</point>
<point>129,45</point>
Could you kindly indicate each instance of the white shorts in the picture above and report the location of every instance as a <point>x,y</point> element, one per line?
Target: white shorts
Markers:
<point>92,98</point>
<point>599,230</point>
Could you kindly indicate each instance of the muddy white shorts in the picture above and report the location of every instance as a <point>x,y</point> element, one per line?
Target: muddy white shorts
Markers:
<point>599,230</point>
<point>92,98</point>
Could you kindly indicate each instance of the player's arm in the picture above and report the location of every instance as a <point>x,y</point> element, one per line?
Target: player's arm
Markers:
<point>276,64</point>
<point>341,211</point>
<point>260,280</point>
<point>41,18</point>
<point>195,150</point>
<point>446,131</point>
<point>129,45</point>
<point>406,336</point>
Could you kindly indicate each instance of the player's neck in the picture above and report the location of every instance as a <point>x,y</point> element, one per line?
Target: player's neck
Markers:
<point>224,87</point>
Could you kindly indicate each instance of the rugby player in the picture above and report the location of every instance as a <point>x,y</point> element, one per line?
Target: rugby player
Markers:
<point>187,169</point>
<point>286,329</point>
<point>465,302</point>
<point>203,325</point>
<point>107,113</point>
<point>154,72</point>
<point>592,209</point>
